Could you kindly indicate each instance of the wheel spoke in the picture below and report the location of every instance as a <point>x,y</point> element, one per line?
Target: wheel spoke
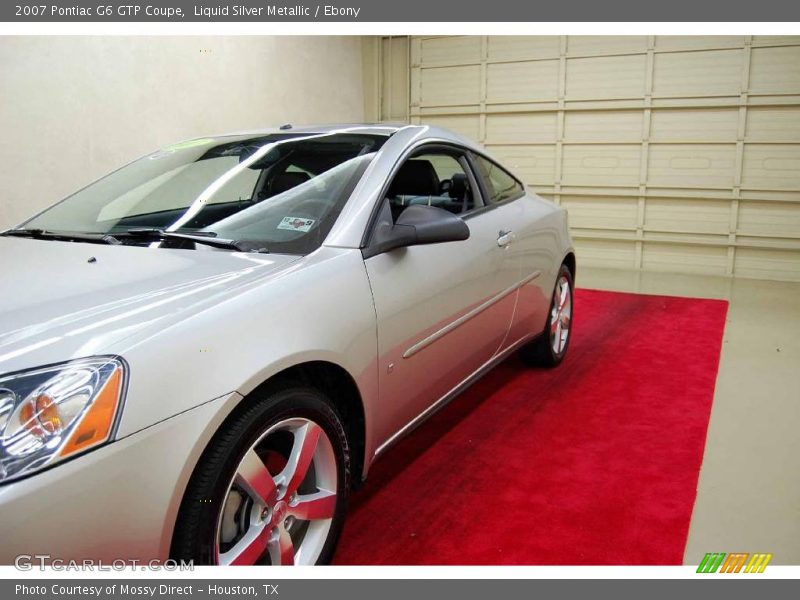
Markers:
<point>320,505</point>
<point>247,550</point>
<point>303,450</point>
<point>255,479</point>
<point>557,338</point>
<point>563,296</point>
<point>281,548</point>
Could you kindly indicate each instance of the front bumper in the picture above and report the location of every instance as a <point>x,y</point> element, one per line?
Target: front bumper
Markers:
<point>118,502</point>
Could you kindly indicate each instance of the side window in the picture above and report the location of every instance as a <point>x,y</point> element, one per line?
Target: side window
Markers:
<point>433,178</point>
<point>501,185</point>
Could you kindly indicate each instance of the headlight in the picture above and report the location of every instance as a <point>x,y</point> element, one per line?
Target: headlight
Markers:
<point>56,412</point>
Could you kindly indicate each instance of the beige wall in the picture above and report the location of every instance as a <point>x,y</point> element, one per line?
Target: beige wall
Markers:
<point>73,108</point>
<point>671,153</point>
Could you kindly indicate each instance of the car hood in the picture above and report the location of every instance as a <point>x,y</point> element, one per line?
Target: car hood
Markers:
<point>63,300</point>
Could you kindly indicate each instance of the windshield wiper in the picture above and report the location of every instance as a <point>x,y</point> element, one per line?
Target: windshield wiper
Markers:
<point>66,236</point>
<point>207,238</point>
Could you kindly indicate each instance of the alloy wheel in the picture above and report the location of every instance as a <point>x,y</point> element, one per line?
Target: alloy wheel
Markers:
<point>280,503</point>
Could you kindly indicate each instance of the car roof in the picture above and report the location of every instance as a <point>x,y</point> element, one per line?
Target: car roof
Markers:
<point>385,129</point>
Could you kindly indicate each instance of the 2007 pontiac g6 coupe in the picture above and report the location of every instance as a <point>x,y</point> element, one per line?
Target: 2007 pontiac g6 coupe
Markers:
<point>202,353</point>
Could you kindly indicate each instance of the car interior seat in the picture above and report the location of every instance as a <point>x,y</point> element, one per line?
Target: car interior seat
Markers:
<point>286,181</point>
<point>459,192</point>
<point>415,182</point>
<point>418,183</point>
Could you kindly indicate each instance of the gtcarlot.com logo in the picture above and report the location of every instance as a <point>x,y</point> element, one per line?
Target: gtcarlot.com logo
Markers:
<point>28,562</point>
<point>737,562</point>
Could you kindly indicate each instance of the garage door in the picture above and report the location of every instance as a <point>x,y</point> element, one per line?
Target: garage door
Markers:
<point>671,153</point>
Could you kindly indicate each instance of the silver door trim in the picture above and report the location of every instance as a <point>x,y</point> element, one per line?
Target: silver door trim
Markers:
<point>452,394</point>
<point>421,345</point>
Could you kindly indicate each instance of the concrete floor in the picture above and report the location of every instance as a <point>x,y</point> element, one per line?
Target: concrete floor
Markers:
<point>748,497</point>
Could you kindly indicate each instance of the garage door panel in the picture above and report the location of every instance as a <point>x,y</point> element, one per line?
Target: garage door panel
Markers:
<point>773,123</point>
<point>466,125</point>
<point>521,47</point>
<point>690,215</point>
<point>522,81</point>
<point>761,263</point>
<point>775,70</point>
<point>698,42</point>
<point>763,40</point>
<point>521,128</point>
<point>608,126</point>
<point>701,125</point>
<point>605,253</point>
<point>771,166</point>
<point>769,218</point>
<point>600,164</point>
<point>605,44</point>
<point>604,212</point>
<point>671,153</point>
<point>692,165</point>
<point>451,85</point>
<point>713,72</point>
<point>450,50</point>
<point>686,258</point>
<point>533,164</point>
<point>606,77</point>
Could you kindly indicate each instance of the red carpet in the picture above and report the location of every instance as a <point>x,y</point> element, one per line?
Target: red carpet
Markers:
<point>594,462</point>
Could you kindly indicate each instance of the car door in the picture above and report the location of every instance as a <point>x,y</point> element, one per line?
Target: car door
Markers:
<point>443,310</point>
<point>535,241</point>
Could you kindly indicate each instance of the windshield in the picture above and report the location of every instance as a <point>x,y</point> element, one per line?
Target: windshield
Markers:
<point>280,191</point>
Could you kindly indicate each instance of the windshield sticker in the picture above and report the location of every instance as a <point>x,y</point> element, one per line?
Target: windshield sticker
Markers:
<point>296,224</point>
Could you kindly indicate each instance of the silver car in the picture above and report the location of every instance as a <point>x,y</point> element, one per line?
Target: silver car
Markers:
<point>203,352</point>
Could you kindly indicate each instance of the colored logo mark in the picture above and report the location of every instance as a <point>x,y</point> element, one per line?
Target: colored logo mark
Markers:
<point>737,562</point>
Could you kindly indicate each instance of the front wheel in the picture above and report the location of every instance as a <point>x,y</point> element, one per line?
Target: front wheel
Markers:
<point>550,347</point>
<point>271,488</point>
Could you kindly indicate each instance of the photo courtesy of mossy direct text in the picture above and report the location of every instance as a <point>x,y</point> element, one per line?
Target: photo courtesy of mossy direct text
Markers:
<point>145,590</point>
<point>275,10</point>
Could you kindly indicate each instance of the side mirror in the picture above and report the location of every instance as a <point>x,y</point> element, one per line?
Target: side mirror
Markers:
<point>419,224</point>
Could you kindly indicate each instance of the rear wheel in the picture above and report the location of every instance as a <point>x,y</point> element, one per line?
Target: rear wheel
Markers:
<point>551,346</point>
<point>271,489</point>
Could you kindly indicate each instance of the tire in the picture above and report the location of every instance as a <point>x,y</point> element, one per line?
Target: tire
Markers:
<point>543,351</point>
<point>271,487</point>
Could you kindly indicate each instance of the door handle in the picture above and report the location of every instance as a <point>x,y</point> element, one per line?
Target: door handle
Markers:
<point>505,237</point>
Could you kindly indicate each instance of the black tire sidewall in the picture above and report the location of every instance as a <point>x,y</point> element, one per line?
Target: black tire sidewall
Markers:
<point>205,495</point>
